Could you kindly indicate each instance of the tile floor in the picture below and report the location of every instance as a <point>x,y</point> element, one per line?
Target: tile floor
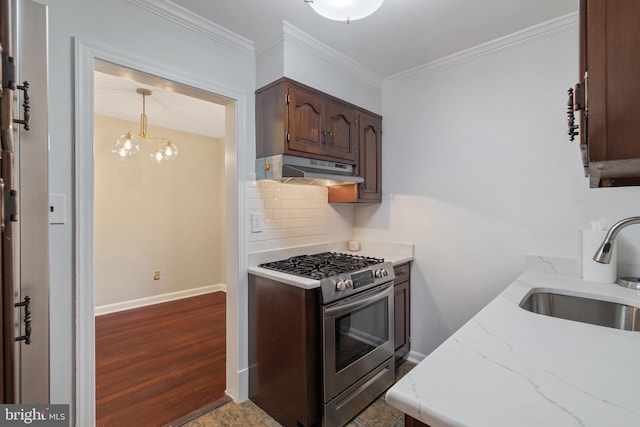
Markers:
<point>378,414</point>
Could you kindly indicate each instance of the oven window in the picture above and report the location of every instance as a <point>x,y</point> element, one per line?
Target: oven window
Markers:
<point>360,332</point>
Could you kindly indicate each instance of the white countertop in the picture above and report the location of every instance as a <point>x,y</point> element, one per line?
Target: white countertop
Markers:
<point>396,253</point>
<point>510,367</point>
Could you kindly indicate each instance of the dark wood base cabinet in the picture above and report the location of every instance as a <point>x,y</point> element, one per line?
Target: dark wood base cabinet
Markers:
<point>284,359</point>
<point>412,422</point>
<point>402,311</point>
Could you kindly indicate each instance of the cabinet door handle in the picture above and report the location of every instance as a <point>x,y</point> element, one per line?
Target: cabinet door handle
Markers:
<point>571,118</point>
<point>26,106</point>
<point>327,137</point>
<point>27,320</point>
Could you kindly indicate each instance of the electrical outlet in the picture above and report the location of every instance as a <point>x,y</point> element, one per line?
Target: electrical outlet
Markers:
<point>156,275</point>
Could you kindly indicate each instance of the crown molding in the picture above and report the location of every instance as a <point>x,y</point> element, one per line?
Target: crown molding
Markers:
<point>546,29</point>
<point>187,19</point>
<point>304,41</point>
<point>285,33</point>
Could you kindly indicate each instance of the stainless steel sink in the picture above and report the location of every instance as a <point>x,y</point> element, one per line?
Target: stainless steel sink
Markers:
<point>585,310</point>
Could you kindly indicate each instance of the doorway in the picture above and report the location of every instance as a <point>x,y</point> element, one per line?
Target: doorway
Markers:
<point>159,239</point>
<point>159,230</point>
<point>236,137</point>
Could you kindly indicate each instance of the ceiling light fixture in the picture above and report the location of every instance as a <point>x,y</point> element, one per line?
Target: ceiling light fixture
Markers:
<point>345,10</point>
<point>129,144</point>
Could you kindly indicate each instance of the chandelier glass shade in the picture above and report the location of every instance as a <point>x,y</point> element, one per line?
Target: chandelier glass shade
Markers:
<point>345,10</point>
<point>128,144</point>
<point>164,153</point>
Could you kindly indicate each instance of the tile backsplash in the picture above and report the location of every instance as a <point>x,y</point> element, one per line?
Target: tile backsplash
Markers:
<point>295,215</point>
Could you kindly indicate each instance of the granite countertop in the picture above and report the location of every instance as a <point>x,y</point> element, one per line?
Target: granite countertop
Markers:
<point>396,253</point>
<point>510,367</point>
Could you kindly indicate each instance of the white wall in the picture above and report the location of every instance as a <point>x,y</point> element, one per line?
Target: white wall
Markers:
<point>122,27</point>
<point>289,51</point>
<point>152,217</point>
<point>478,171</point>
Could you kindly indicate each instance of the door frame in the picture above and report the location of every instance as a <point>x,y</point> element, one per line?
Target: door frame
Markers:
<point>236,142</point>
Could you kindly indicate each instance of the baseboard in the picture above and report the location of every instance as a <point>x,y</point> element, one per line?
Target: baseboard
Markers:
<point>415,357</point>
<point>157,299</point>
<point>200,412</point>
<point>242,394</point>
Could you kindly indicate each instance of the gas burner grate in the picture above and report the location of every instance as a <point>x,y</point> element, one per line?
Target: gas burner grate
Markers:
<point>322,265</point>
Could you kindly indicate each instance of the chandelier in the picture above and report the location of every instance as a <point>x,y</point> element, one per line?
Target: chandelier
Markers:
<point>345,10</point>
<point>129,144</point>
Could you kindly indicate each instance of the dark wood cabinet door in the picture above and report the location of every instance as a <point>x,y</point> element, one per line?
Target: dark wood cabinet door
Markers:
<point>402,311</point>
<point>295,119</point>
<point>370,161</point>
<point>306,121</point>
<point>341,132</point>
<point>610,39</point>
<point>401,292</point>
<point>8,371</point>
<point>369,166</point>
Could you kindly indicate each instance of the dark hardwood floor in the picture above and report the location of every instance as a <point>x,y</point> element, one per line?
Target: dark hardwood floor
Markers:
<point>159,363</point>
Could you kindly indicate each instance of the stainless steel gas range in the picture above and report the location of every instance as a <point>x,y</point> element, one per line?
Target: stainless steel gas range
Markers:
<point>346,311</point>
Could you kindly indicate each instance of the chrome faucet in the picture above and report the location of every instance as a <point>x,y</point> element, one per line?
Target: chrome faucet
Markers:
<point>603,254</point>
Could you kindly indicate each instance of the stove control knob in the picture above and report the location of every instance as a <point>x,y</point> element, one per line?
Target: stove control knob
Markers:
<point>348,283</point>
<point>381,273</point>
<point>341,286</point>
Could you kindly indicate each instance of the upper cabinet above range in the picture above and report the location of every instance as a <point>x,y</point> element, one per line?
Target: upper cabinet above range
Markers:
<point>295,119</point>
<point>606,95</point>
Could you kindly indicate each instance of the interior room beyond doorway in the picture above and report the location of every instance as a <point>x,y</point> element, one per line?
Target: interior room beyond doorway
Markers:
<point>159,244</point>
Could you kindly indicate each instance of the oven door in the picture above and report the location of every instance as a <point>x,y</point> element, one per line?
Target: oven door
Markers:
<point>357,337</point>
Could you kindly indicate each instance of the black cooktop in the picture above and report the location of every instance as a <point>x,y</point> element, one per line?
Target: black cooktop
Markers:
<point>322,265</point>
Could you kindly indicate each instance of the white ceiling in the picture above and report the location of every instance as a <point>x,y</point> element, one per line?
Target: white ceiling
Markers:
<point>401,35</point>
<point>115,96</point>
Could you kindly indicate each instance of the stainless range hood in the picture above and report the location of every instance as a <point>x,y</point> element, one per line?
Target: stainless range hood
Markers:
<point>301,170</point>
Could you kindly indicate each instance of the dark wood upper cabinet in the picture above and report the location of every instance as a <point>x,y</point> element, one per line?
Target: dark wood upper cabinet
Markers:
<point>370,161</point>
<point>369,164</point>
<point>306,113</point>
<point>342,131</point>
<point>295,119</point>
<point>607,92</point>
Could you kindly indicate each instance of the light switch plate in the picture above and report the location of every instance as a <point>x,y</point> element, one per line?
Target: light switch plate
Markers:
<point>56,209</point>
<point>257,222</point>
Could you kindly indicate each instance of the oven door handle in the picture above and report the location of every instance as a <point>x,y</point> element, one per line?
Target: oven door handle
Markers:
<point>347,307</point>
